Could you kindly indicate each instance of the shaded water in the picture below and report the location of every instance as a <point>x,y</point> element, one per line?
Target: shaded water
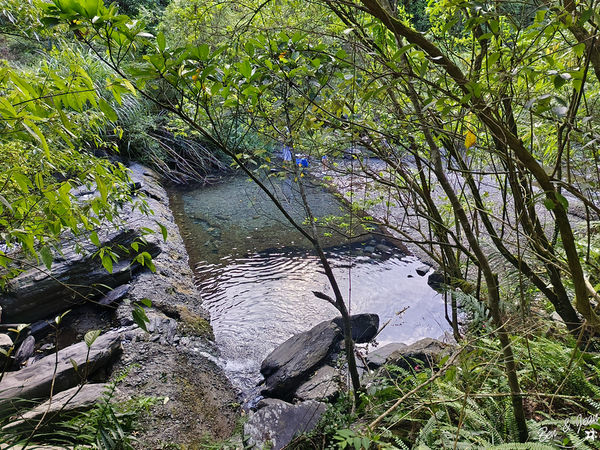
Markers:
<point>256,273</point>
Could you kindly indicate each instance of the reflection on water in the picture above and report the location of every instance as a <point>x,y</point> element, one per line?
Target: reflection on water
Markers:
<point>256,274</point>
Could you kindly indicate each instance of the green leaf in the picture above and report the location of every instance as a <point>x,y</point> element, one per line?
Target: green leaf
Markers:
<point>585,16</point>
<point>94,238</point>
<point>6,203</point>
<point>493,58</point>
<point>562,200</point>
<point>163,230</point>
<point>102,189</point>
<point>203,51</point>
<point>47,257</point>
<point>108,110</point>
<point>90,337</point>
<point>50,22</point>
<point>549,204</point>
<point>559,81</point>
<point>146,302</point>
<point>34,131</point>
<point>161,42</point>
<point>140,317</point>
<point>107,263</point>
<point>245,69</point>
<point>249,47</point>
<point>22,181</point>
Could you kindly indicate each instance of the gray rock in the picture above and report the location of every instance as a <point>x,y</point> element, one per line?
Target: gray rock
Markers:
<point>293,361</point>
<point>426,351</point>
<point>380,356</point>
<point>423,270</point>
<point>38,293</point>
<point>25,350</point>
<point>383,248</point>
<point>5,340</point>
<point>436,281</point>
<point>369,249</point>
<point>34,381</point>
<point>277,422</point>
<point>323,385</point>
<point>75,399</point>
<point>364,326</point>
<point>556,318</point>
<point>115,295</point>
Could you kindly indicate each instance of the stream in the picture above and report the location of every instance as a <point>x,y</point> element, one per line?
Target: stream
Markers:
<point>256,273</point>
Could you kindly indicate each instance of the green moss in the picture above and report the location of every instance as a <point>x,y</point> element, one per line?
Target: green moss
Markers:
<point>191,323</point>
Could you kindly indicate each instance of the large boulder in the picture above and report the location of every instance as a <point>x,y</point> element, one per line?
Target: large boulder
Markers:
<point>36,380</point>
<point>297,358</point>
<point>294,361</point>
<point>364,326</point>
<point>276,422</point>
<point>79,398</point>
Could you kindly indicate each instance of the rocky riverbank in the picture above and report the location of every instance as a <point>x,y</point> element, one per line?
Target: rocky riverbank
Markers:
<point>306,372</point>
<point>173,362</point>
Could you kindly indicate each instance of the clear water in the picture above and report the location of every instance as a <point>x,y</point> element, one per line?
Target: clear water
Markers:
<point>256,273</point>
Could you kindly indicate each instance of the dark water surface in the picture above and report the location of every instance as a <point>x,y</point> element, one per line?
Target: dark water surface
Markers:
<point>256,273</point>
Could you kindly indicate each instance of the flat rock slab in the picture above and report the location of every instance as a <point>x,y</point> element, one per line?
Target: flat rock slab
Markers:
<point>79,398</point>
<point>277,422</point>
<point>293,361</point>
<point>426,351</point>
<point>38,293</point>
<point>115,295</point>
<point>323,385</point>
<point>34,381</point>
<point>380,356</point>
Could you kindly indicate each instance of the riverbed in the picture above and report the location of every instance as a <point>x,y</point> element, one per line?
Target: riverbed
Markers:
<point>256,273</point>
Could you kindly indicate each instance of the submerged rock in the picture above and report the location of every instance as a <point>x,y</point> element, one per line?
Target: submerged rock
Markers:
<point>277,422</point>
<point>436,281</point>
<point>35,381</point>
<point>423,270</point>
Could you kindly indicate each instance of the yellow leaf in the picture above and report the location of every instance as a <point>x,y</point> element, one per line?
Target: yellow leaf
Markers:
<point>470,139</point>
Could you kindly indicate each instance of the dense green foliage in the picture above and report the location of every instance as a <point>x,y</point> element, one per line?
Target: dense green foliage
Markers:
<point>483,113</point>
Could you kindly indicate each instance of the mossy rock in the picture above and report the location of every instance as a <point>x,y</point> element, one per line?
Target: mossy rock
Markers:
<point>191,323</point>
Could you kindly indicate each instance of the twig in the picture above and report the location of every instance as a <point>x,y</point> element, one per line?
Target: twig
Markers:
<point>431,379</point>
